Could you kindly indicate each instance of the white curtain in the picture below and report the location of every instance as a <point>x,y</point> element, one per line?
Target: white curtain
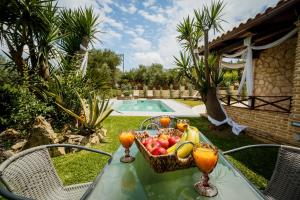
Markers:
<point>247,74</point>
<point>247,54</point>
<point>238,54</point>
<point>232,65</point>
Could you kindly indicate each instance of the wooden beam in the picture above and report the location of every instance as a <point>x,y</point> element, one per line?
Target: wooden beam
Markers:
<point>258,20</point>
<point>239,45</point>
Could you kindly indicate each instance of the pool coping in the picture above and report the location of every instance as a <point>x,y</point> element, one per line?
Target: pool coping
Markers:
<point>180,109</point>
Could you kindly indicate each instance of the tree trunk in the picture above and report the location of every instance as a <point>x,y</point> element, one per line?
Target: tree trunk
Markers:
<point>44,70</point>
<point>212,104</point>
<point>206,52</point>
<point>84,43</point>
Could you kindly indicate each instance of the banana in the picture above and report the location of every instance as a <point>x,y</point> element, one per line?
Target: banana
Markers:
<point>173,148</point>
<point>186,149</point>
<point>191,134</point>
<point>196,134</point>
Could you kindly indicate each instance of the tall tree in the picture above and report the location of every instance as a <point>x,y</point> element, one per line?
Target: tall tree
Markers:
<point>203,73</point>
<point>32,29</point>
<point>98,58</point>
<point>79,28</point>
<point>29,30</point>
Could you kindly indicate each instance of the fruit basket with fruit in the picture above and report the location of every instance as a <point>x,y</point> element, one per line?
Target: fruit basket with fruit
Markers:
<point>159,150</point>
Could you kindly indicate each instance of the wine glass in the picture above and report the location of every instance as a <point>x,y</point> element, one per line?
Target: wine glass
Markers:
<point>205,157</point>
<point>182,124</point>
<point>165,121</point>
<point>126,139</point>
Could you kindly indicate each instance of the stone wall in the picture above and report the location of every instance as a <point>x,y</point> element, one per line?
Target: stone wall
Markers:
<point>295,115</point>
<point>273,70</point>
<point>265,125</point>
<point>273,74</point>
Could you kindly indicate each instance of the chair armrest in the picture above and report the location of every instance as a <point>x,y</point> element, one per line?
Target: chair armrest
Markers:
<point>78,147</point>
<point>250,146</point>
<point>7,194</point>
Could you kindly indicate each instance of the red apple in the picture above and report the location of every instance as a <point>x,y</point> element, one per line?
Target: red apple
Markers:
<point>159,151</point>
<point>163,143</point>
<point>152,145</point>
<point>147,140</point>
<point>173,140</point>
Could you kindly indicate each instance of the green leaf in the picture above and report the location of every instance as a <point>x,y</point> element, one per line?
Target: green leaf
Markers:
<point>70,113</point>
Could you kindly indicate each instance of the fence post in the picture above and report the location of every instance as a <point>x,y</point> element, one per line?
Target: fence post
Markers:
<point>252,102</point>
<point>228,100</point>
<point>290,104</point>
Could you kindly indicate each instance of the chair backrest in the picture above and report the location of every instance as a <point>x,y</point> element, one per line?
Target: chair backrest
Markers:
<point>156,120</point>
<point>285,181</point>
<point>30,174</point>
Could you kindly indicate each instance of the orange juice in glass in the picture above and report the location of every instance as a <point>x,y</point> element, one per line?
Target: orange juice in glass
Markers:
<point>126,139</point>
<point>206,158</point>
<point>165,121</point>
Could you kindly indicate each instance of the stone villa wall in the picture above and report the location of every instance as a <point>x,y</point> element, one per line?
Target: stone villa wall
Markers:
<point>276,73</point>
<point>273,70</point>
<point>265,125</point>
<point>273,74</point>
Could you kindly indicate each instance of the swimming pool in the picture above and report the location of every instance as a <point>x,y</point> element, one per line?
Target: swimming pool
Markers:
<point>143,106</point>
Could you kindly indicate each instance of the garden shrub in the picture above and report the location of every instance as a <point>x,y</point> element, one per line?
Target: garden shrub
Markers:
<point>19,107</point>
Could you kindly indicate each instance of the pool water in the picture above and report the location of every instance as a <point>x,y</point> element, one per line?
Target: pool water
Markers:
<point>143,106</point>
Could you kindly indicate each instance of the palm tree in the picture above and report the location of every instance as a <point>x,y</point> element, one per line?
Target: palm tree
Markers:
<point>32,30</point>
<point>203,73</point>
<point>29,29</point>
<point>79,27</point>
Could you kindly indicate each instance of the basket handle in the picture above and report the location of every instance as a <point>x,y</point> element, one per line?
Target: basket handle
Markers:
<point>183,160</point>
<point>151,124</point>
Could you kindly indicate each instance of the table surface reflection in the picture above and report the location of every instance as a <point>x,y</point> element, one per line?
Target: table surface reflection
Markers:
<point>138,181</point>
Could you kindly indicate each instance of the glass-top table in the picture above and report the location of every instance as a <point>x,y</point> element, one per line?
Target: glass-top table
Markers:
<point>137,180</point>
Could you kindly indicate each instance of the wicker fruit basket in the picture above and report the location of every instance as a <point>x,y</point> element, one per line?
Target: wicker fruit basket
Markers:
<point>162,163</point>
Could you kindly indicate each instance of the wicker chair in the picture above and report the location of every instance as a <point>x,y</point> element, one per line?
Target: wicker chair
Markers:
<point>285,181</point>
<point>30,174</point>
<point>153,122</point>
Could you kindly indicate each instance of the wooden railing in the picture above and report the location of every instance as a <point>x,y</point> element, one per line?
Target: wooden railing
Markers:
<point>268,103</point>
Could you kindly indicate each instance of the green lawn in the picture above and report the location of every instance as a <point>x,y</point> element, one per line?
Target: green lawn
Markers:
<point>191,103</point>
<point>257,165</point>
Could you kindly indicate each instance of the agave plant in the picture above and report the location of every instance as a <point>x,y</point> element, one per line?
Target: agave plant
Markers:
<point>95,111</point>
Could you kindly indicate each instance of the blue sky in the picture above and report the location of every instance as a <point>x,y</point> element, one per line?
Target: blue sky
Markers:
<point>145,30</point>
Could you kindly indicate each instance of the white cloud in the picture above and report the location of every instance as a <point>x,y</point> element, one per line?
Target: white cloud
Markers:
<point>112,22</point>
<point>131,32</point>
<point>132,9</point>
<point>76,4</point>
<point>139,29</point>
<point>235,13</point>
<point>147,58</point>
<point>136,32</point>
<point>109,35</point>
<point>149,3</point>
<point>141,44</point>
<point>158,18</point>
<point>129,9</point>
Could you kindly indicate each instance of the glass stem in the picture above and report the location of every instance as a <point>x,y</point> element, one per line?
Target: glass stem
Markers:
<point>127,152</point>
<point>205,180</point>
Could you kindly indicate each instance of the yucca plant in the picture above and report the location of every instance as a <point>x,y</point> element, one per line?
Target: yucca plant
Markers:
<point>95,111</point>
<point>203,73</point>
